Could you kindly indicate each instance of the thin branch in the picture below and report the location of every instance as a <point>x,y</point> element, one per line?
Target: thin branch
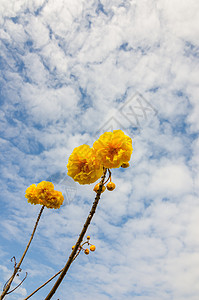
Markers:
<point>81,236</point>
<point>18,285</point>
<point>43,284</point>
<point>16,268</point>
<point>109,176</point>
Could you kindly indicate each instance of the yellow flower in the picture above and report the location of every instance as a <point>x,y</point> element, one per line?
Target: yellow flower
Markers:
<point>44,190</point>
<point>53,200</point>
<point>83,166</point>
<point>31,194</point>
<point>48,196</point>
<point>113,149</point>
<point>44,194</point>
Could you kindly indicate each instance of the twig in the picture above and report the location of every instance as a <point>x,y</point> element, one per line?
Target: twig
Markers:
<point>43,284</point>
<point>81,236</point>
<point>18,285</point>
<point>16,268</point>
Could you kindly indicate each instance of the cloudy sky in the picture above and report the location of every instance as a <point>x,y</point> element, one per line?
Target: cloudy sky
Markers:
<point>71,70</point>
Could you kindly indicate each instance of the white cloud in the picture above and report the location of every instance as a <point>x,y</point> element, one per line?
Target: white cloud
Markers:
<point>67,67</point>
<point>171,179</point>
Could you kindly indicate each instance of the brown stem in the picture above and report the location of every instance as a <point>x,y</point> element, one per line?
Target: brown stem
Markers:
<point>50,278</point>
<point>81,236</point>
<point>44,284</point>
<point>16,268</point>
<point>18,284</point>
<point>109,176</point>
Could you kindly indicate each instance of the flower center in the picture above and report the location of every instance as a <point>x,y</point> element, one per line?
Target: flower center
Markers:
<point>113,151</point>
<point>83,165</point>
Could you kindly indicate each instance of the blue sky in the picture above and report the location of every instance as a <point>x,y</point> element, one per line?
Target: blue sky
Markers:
<point>71,70</point>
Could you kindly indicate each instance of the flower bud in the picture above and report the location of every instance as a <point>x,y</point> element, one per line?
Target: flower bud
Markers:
<point>96,188</point>
<point>110,186</point>
<point>125,165</point>
<point>86,251</point>
<point>92,247</point>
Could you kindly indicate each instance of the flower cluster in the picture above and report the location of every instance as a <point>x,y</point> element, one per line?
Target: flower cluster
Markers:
<point>44,194</point>
<point>83,165</point>
<point>86,250</point>
<point>111,150</point>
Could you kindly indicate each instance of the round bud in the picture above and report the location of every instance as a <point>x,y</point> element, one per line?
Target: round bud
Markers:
<point>92,247</point>
<point>96,188</point>
<point>125,165</point>
<point>86,251</point>
<point>73,247</point>
<point>88,237</point>
<point>110,186</point>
